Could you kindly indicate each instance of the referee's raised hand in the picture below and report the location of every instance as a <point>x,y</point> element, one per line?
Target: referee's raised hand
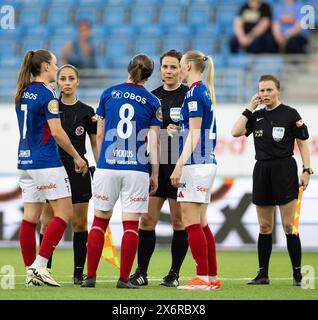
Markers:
<point>255,102</point>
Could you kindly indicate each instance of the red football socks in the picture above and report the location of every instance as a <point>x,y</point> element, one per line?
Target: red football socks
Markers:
<point>211,251</point>
<point>95,245</point>
<point>28,242</point>
<point>128,249</point>
<point>199,248</point>
<point>52,236</point>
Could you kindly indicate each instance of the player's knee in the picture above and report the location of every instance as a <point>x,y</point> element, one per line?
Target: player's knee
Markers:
<point>177,224</point>
<point>79,226</point>
<point>265,228</point>
<point>288,227</point>
<point>147,222</point>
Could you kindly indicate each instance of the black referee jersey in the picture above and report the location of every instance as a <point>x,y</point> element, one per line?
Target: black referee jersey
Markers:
<point>275,132</point>
<point>77,120</point>
<point>171,102</point>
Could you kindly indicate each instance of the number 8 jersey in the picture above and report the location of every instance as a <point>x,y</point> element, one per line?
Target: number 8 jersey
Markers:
<point>129,110</point>
<point>37,147</point>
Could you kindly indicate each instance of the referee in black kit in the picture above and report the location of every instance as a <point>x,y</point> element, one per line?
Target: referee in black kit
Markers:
<point>78,119</point>
<point>171,95</point>
<point>275,179</point>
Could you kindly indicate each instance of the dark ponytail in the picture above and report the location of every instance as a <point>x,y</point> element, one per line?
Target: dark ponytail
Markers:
<point>31,66</point>
<point>140,68</point>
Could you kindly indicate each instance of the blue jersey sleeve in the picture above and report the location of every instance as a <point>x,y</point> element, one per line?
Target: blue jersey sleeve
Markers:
<point>100,111</point>
<point>157,116</point>
<point>51,105</point>
<point>195,105</point>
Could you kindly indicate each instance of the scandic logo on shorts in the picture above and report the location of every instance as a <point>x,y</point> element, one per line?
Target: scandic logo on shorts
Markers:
<point>45,187</point>
<point>202,189</point>
<point>100,197</point>
<point>138,199</point>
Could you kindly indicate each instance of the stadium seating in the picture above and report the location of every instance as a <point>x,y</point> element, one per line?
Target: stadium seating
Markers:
<point>114,15</point>
<point>142,15</point>
<point>122,28</point>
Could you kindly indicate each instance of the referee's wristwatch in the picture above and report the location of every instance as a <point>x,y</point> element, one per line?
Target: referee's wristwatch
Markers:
<point>308,170</point>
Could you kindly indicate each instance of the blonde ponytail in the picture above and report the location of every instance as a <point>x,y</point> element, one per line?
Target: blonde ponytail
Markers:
<point>199,59</point>
<point>209,79</point>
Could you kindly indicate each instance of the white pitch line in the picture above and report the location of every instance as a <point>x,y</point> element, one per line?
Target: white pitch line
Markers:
<point>115,279</point>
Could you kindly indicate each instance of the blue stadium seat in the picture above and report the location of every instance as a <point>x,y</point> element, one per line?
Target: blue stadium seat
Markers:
<point>153,30</point>
<point>63,3</point>
<point>10,62</point>
<point>33,44</point>
<point>90,14</point>
<point>99,45</point>
<point>180,30</point>
<point>8,47</point>
<point>68,31</point>
<point>241,61</point>
<point>12,34</point>
<point>171,15</point>
<point>33,3</point>
<point>31,16</point>
<point>218,60</point>
<point>56,44</point>
<point>42,31</point>
<point>58,16</point>
<point>14,3</point>
<point>99,31</point>
<point>125,3</point>
<point>148,46</point>
<point>180,44</point>
<point>102,62</point>
<point>114,15</point>
<point>225,14</point>
<point>117,47</point>
<point>204,44</point>
<point>142,16</point>
<point>92,3</point>
<point>211,30</point>
<point>146,2</point>
<point>199,15</point>
<point>122,31</point>
<point>269,63</point>
<point>120,63</point>
<point>204,2</point>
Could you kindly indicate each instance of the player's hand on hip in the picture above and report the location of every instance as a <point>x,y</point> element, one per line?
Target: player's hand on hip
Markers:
<point>304,180</point>
<point>80,165</point>
<point>153,185</point>
<point>172,129</point>
<point>176,176</point>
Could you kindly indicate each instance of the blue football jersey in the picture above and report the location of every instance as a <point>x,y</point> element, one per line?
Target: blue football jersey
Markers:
<point>128,110</point>
<point>37,148</point>
<point>197,103</point>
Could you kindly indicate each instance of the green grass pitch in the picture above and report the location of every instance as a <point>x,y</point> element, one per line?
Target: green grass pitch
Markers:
<point>235,268</point>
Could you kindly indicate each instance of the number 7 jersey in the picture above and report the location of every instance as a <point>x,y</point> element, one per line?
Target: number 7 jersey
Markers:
<point>37,147</point>
<point>129,110</point>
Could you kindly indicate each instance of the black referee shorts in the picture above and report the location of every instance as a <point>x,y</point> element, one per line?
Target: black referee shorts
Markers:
<point>80,185</point>
<point>275,182</point>
<point>165,189</point>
